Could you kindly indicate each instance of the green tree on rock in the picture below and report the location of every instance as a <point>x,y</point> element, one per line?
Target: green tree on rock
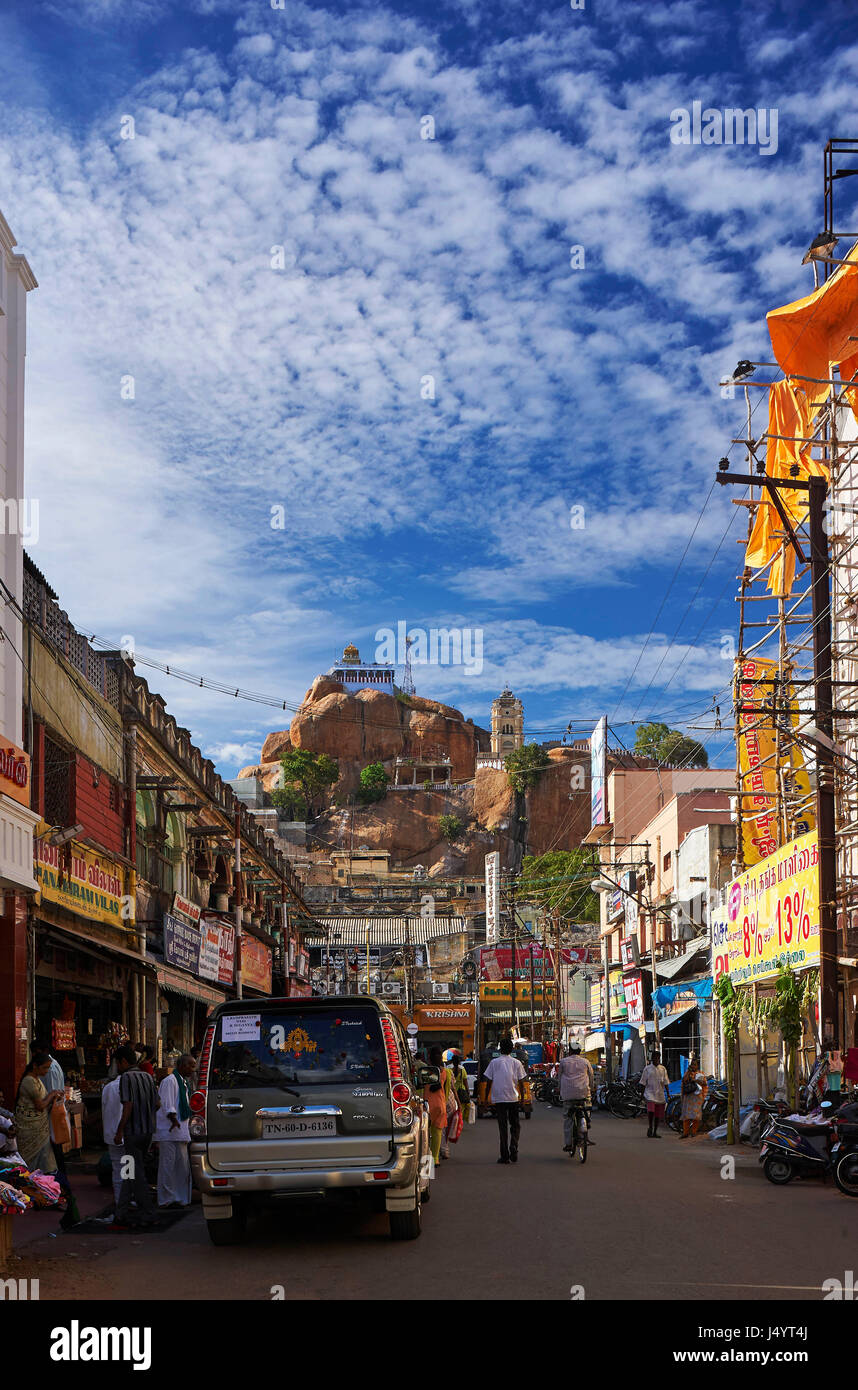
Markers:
<point>450,827</point>
<point>524,765</point>
<point>373,783</point>
<point>668,745</point>
<point>307,776</point>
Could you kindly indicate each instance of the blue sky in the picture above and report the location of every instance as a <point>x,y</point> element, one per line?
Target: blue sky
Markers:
<point>302,383</point>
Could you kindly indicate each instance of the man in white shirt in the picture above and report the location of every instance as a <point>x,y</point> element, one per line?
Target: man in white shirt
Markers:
<point>576,1083</point>
<point>504,1076</point>
<point>172,1136</point>
<point>655,1082</point>
<point>111,1110</point>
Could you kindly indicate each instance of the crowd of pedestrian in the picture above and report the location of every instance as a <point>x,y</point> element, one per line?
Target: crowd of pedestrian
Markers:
<point>138,1109</point>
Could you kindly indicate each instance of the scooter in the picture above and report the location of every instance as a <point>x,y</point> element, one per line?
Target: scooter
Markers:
<point>792,1150</point>
<point>844,1156</point>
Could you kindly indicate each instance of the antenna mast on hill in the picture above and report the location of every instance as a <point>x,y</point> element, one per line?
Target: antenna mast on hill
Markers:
<point>407,686</point>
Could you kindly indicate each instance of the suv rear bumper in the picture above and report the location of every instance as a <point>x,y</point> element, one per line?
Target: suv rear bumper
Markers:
<point>261,1182</point>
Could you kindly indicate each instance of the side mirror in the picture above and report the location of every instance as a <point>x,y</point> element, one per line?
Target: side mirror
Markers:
<point>424,1075</point>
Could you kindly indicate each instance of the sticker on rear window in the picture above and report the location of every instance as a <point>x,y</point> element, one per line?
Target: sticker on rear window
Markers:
<point>240,1028</point>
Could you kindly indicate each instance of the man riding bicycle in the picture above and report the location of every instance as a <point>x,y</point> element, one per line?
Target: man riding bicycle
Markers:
<point>576,1085</point>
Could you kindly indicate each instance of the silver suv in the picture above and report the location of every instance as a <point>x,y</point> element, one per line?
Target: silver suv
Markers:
<point>309,1096</point>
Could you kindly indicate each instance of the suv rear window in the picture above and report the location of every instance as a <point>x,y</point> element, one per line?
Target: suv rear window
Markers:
<point>313,1047</point>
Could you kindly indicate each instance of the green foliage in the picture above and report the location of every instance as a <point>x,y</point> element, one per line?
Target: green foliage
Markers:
<point>732,1006</point>
<point>785,1012</point>
<point>307,775</point>
<point>450,826</point>
<point>668,745</point>
<point>560,882</point>
<point>291,800</point>
<point>523,766</point>
<point>373,783</point>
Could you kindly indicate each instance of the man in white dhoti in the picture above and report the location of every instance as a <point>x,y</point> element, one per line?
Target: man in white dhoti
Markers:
<point>172,1137</point>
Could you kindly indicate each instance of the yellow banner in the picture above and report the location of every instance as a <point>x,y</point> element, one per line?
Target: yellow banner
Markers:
<point>759,766</point>
<point>771,913</point>
<point>502,989</point>
<point>82,881</point>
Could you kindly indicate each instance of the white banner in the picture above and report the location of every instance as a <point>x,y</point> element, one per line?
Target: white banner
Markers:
<point>492,896</point>
<point>598,768</point>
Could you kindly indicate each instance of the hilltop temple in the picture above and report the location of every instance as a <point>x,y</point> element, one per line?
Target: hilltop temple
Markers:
<point>362,675</point>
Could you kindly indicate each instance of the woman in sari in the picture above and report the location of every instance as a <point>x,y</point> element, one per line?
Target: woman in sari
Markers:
<point>692,1101</point>
<point>436,1098</point>
<point>32,1115</point>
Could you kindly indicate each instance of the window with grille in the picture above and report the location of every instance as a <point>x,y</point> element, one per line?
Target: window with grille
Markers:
<point>58,784</point>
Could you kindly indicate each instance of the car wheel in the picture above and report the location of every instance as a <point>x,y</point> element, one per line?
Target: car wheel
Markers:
<point>406,1225</point>
<point>230,1231</point>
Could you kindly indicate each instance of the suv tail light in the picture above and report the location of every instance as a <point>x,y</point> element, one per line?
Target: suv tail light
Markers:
<point>394,1065</point>
<point>197,1102</point>
<point>401,1093</point>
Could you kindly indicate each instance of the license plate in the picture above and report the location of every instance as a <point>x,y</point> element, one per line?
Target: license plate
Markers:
<point>308,1128</point>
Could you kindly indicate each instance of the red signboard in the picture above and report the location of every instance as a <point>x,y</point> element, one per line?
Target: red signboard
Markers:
<point>226,966</point>
<point>496,961</point>
<point>255,964</point>
<point>63,1035</point>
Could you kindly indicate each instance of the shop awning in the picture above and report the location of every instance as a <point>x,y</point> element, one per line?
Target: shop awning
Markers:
<point>669,969</point>
<point>593,1042</point>
<point>669,1021</point>
<point>175,982</point>
<point>701,990</point>
<point>96,948</point>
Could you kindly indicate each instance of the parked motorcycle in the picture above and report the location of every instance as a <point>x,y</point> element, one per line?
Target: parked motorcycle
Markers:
<point>792,1150</point>
<point>844,1156</point>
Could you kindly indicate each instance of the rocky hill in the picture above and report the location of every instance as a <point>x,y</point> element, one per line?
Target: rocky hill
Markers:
<point>372,726</point>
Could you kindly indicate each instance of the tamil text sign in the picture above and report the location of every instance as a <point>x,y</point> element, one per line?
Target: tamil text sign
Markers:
<point>770,914</point>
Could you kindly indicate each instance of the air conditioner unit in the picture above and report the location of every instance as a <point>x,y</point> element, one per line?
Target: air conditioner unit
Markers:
<point>391,987</point>
<point>442,989</point>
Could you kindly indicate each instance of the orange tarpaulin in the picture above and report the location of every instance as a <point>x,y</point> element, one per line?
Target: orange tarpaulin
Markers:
<point>789,416</point>
<point>812,333</point>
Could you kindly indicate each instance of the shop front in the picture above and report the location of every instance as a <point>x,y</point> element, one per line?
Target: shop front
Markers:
<point>441,1025</point>
<point>257,956</point>
<point>198,962</point>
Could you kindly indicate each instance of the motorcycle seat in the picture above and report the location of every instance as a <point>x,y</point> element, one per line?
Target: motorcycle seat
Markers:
<point>812,1131</point>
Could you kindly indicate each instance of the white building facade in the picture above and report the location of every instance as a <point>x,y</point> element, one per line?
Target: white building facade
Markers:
<point>16,819</point>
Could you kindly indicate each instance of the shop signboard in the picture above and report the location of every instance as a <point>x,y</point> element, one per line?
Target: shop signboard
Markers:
<point>492,896</point>
<point>14,772</point>
<point>81,881</point>
<point>183,907</point>
<point>633,991</point>
<point>209,968</point>
<point>63,1035</point>
<point>496,961</point>
<point>770,913</point>
<point>598,769</point>
<point>629,951</point>
<point>255,963</point>
<point>181,943</point>
<point>763,755</point>
<point>226,957</point>
<point>597,1000</point>
<point>618,998</point>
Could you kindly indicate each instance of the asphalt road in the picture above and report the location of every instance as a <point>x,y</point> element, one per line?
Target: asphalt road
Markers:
<point>642,1219</point>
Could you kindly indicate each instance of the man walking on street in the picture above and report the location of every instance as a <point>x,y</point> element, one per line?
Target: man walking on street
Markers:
<point>504,1076</point>
<point>134,1132</point>
<point>174,1168</point>
<point>576,1083</point>
<point>655,1082</point>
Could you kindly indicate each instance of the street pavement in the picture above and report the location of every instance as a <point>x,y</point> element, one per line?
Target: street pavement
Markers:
<point>642,1219</point>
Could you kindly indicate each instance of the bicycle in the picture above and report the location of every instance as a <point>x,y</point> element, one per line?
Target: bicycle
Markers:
<point>579,1112</point>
